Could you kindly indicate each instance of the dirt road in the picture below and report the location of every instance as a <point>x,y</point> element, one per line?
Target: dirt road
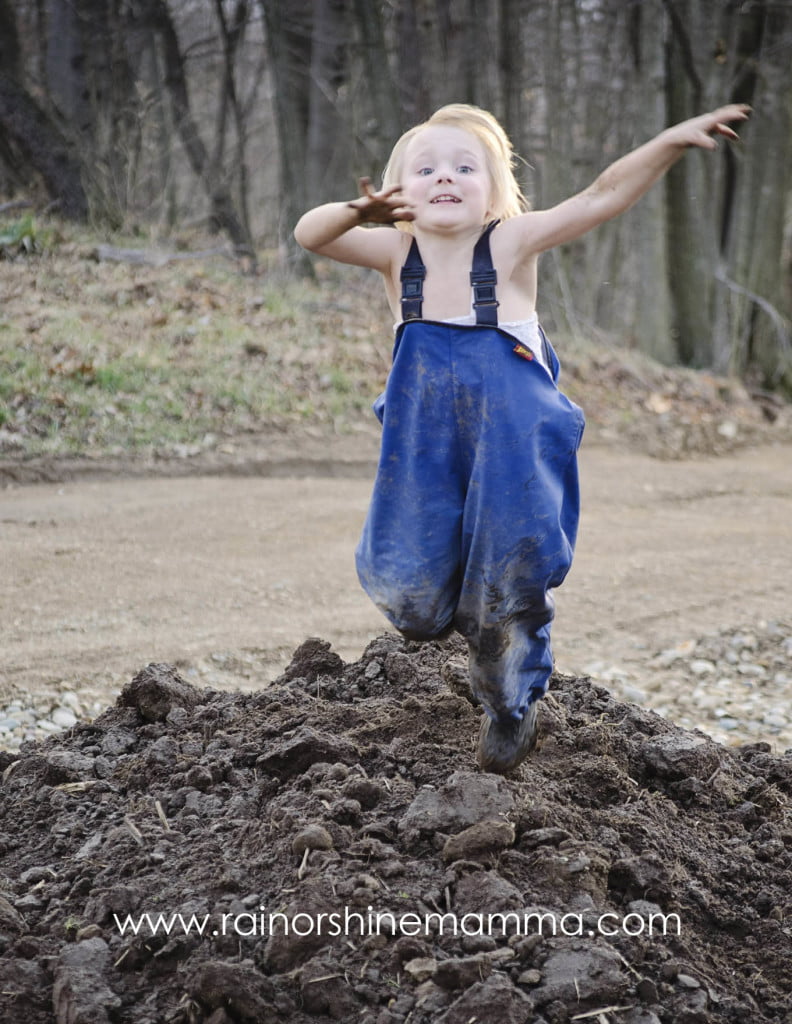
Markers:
<point>230,574</point>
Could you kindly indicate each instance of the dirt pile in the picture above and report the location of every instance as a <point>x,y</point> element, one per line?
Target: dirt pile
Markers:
<point>325,850</point>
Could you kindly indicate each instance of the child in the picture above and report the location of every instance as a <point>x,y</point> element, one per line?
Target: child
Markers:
<point>474,512</point>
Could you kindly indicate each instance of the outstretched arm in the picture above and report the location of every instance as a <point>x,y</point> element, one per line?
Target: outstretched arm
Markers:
<point>625,181</point>
<point>334,229</point>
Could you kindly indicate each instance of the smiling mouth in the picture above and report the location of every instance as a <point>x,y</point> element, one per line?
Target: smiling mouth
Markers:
<point>445,198</point>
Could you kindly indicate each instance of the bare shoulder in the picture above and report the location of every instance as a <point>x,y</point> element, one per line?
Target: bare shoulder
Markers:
<point>511,241</point>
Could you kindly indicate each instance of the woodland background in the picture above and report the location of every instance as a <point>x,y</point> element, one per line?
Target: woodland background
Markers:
<point>160,115</point>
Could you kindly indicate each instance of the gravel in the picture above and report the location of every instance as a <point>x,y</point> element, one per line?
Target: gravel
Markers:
<point>50,712</point>
<point>733,685</point>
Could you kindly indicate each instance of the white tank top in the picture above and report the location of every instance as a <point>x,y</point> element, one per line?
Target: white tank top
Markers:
<point>525,331</point>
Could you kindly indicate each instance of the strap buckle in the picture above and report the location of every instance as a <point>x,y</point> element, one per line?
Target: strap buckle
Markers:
<point>485,303</point>
<point>412,279</point>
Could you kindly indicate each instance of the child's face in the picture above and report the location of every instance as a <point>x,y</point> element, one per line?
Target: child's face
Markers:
<point>446,178</point>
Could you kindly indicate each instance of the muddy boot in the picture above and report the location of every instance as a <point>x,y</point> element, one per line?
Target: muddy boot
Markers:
<point>503,746</point>
<point>456,676</point>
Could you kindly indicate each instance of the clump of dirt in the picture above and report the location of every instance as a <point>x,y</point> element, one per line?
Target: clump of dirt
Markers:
<point>325,850</point>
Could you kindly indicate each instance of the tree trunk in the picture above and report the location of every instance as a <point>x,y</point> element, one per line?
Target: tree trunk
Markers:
<point>727,210</point>
<point>752,299</point>
<point>224,211</point>
<point>288,29</point>
<point>108,123</point>
<point>231,35</point>
<point>155,184</point>
<point>556,178</point>
<point>68,61</point>
<point>9,42</point>
<point>457,35</point>
<point>646,241</point>
<point>31,132</point>
<point>693,227</point>
<point>412,80</point>
<point>384,122</point>
<point>327,146</point>
<point>511,57</point>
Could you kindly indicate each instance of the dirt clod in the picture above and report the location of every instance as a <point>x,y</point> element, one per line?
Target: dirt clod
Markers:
<point>325,850</point>
<point>481,840</point>
<point>156,691</point>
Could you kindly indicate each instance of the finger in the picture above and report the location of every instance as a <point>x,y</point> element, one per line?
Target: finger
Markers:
<point>704,139</point>
<point>734,112</point>
<point>366,188</point>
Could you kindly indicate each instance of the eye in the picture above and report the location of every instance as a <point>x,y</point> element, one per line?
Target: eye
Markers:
<point>424,171</point>
<point>465,169</point>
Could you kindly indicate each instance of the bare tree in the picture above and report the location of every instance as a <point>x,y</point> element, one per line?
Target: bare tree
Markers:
<point>752,303</point>
<point>231,33</point>
<point>288,28</point>
<point>726,215</point>
<point>327,144</point>
<point>29,135</point>
<point>67,67</point>
<point>383,117</point>
<point>223,208</point>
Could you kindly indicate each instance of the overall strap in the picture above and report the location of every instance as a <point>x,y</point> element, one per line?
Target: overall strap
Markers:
<point>412,278</point>
<point>483,278</point>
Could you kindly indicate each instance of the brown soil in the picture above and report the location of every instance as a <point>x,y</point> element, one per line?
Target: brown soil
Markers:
<point>645,871</point>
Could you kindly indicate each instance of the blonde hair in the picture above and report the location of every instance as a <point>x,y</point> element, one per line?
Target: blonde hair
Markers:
<point>507,198</point>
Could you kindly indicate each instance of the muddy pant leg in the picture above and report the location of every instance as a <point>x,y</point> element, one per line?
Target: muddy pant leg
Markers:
<point>511,661</point>
<point>519,530</point>
<point>408,556</point>
<point>506,619</point>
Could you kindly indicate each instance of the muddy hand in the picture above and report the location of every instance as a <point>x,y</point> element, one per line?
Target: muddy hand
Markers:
<point>699,131</point>
<point>384,207</point>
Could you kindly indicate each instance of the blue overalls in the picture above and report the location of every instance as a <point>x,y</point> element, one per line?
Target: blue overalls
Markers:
<point>475,507</point>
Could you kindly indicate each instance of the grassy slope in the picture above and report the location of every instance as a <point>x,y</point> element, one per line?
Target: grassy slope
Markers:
<point>105,358</point>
